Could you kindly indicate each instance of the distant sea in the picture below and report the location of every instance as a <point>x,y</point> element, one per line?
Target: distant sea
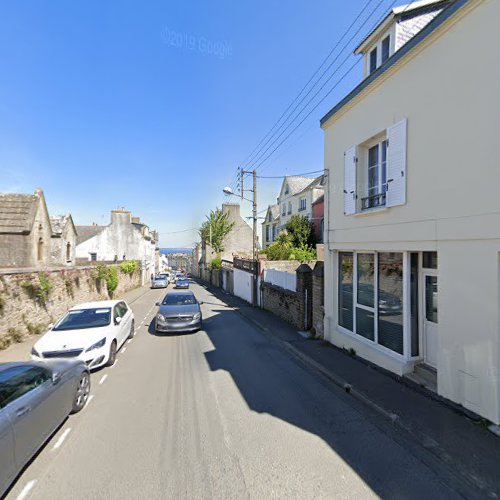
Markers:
<point>166,251</point>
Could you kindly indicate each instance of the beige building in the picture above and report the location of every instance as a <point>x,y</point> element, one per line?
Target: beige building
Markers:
<point>412,250</point>
<point>25,230</point>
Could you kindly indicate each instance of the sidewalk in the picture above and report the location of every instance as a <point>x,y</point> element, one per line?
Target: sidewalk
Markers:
<point>463,443</point>
<point>21,351</point>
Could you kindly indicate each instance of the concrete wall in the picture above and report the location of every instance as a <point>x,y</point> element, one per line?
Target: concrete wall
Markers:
<point>22,314</point>
<point>242,284</point>
<point>447,89</point>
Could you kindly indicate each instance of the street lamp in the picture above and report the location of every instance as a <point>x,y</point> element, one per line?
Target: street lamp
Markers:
<point>227,190</point>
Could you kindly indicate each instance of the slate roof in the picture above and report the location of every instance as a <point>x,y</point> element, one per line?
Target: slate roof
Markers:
<point>297,183</point>
<point>84,233</point>
<point>17,212</point>
<point>59,223</point>
<point>275,212</point>
<point>316,184</point>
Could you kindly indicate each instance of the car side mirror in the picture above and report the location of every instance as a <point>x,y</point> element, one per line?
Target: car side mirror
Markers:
<point>200,302</point>
<point>157,304</point>
<point>56,377</point>
<point>118,320</point>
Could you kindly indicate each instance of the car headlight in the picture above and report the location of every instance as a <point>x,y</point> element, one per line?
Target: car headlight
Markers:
<point>197,316</point>
<point>34,352</point>
<point>160,317</point>
<point>97,345</point>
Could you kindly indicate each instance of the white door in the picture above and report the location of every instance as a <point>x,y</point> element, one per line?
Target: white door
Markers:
<point>430,289</point>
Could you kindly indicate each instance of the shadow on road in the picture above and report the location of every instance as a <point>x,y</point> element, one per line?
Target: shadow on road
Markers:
<point>272,383</point>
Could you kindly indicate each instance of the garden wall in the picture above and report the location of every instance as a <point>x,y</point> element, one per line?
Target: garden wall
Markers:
<point>29,301</point>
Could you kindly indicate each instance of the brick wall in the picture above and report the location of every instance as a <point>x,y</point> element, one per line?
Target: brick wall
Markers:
<point>23,314</point>
<point>318,294</point>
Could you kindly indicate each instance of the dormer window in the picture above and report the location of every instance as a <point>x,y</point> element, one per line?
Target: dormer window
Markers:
<point>286,189</point>
<point>386,47</point>
<point>373,60</point>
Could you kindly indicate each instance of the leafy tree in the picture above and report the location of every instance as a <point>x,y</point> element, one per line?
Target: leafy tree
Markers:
<point>112,280</point>
<point>301,231</point>
<point>215,229</point>
<point>281,248</point>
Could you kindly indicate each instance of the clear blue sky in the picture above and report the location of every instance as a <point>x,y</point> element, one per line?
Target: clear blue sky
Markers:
<point>121,104</point>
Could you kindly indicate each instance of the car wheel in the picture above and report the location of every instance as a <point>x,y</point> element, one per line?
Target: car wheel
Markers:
<point>132,330</point>
<point>112,354</point>
<point>82,393</point>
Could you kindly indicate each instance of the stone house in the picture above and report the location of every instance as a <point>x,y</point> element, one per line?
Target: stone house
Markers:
<point>238,242</point>
<point>25,230</point>
<point>412,241</point>
<point>270,225</point>
<point>125,238</point>
<point>63,241</point>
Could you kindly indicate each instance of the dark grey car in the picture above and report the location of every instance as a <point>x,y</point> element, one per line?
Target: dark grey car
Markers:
<point>35,398</point>
<point>178,312</point>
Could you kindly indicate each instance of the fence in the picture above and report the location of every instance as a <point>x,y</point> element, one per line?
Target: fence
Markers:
<point>283,279</point>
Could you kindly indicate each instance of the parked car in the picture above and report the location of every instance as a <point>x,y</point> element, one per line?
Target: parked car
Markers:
<point>182,283</point>
<point>159,282</point>
<point>91,332</point>
<point>35,398</point>
<point>164,275</point>
<point>179,312</point>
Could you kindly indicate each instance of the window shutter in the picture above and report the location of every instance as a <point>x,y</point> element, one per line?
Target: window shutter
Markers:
<point>396,164</point>
<point>350,181</point>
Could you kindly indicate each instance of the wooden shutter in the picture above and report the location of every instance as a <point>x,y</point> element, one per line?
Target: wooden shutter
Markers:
<point>350,181</point>
<point>396,164</point>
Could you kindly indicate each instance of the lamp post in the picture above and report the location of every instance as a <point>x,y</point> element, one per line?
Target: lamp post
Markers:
<point>227,190</point>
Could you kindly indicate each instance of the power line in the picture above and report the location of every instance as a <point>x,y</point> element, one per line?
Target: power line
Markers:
<point>288,175</point>
<point>336,70</point>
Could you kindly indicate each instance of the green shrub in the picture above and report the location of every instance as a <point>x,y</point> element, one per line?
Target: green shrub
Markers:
<point>15,335</point>
<point>129,266</point>
<point>68,283</point>
<point>216,264</point>
<point>101,271</point>
<point>5,342</point>
<point>303,253</point>
<point>34,329</point>
<point>2,305</point>
<point>38,291</point>
<point>112,280</point>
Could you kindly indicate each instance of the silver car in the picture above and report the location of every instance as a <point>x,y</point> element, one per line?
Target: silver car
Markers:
<point>159,282</point>
<point>35,398</point>
<point>179,312</point>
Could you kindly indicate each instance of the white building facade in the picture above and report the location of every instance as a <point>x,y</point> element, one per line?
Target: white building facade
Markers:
<point>412,239</point>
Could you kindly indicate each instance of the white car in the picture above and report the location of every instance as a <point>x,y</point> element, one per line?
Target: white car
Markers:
<point>92,332</point>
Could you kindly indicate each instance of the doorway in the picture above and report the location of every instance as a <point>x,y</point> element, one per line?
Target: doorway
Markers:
<point>430,317</point>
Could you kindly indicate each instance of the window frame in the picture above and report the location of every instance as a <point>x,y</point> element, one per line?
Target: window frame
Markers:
<point>406,355</point>
<point>289,211</point>
<point>387,39</point>
<point>373,61</point>
<point>302,204</point>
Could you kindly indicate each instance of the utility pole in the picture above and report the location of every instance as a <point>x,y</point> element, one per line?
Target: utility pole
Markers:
<point>255,263</point>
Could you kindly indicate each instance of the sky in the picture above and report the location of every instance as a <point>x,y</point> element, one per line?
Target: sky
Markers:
<point>151,106</point>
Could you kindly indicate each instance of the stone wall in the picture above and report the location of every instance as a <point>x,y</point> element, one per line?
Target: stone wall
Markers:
<point>293,307</point>
<point>26,310</point>
<point>318,298</point>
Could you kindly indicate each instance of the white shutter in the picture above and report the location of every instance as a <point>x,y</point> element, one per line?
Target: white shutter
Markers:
<point>396,164</point>
<point>350,181</point>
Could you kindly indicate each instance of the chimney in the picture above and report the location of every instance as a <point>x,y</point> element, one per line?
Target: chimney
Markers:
<point>233,209</point>
<point>136,220</point>
<point>120,217</point>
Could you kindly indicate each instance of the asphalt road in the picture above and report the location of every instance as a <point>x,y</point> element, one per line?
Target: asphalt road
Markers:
<point>221,413</point>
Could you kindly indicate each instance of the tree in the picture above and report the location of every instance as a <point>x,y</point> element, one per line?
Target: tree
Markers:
<point>213,231</point>
<point>301,231</point>
<point>281,248</point>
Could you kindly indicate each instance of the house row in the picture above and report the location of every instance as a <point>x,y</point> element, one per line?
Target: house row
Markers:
<point>298,196</point>
<point>412,219</point>
<point>30,237</point>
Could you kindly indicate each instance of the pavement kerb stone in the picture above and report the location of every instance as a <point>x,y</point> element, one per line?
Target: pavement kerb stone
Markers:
<point>428,443</point>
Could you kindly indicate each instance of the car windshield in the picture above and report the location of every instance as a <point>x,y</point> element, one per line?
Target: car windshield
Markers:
<point>173,299</point>
<point>84,318</point>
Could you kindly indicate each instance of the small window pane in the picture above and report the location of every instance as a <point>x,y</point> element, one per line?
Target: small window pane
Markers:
<point>19,381</point>
<point>346,261</point>
<point>430,260</point>
<point>414,299</point>
<point>373,60</point>
<point>365,321</point>
<point>386,44</point>
<point>365,279</point>
<point>431,297</point>
<point>390,301</point>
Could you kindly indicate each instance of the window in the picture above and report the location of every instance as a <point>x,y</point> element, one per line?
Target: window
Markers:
<point>346,266</point>
<point>68,252</point>
<point>40,249</point>
<point>376,297</point>
<point>93,257</point>
<point>321,230</point>
<point>430,260</point>
<point>283,209</point>
<point>302,204</point>
<point>373,60</point>
<point>274,232</point>
<point>377,176</point>
<point>18,381</point>
<point>268,233</point>
<point>289,207</point>
<point>286,189</point>
<point>270,218</point>
<point>385,50</point>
